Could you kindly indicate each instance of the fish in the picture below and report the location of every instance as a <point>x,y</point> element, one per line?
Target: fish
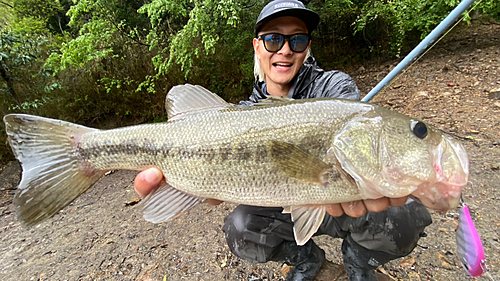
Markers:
<point>469,245</point>
<point>297,154</point>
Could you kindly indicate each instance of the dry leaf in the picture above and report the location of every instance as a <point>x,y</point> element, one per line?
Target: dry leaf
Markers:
<point>132,201</point>
<point>444,259</point>
<point>408,262</point>
<point>285,268</point>
<point>383,271</point>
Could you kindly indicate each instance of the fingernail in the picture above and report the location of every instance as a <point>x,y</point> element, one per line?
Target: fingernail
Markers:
<point>153,176</point>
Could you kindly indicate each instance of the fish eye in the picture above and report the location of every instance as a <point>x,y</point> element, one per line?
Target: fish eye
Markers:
<point>418,128</point>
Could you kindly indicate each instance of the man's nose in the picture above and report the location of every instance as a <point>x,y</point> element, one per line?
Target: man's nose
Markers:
<point>285,50</point>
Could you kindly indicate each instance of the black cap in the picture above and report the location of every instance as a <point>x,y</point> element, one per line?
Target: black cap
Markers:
<point>283,8</point>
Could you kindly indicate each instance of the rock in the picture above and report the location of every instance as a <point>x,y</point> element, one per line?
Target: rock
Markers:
<point>494,94</point>
<point>492,166</point>
<point>361,69</point>
<point>423,94</point>
<point>10,176</point>
<point>331,271</point>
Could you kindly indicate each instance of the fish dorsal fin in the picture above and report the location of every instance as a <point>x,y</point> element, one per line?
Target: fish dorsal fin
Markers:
<point>297,163</point>
<point>190,98</point>
<point>273,100</point>
<point>166,203</point>
<point>306,221</point>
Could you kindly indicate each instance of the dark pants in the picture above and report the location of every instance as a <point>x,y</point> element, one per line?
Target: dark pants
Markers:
<point>261,234</point>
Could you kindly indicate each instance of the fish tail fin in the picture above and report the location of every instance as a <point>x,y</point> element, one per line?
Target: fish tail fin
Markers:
<point>53,175</point>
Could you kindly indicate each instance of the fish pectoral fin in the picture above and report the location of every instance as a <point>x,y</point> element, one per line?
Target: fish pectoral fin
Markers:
<point>297,163</point>
<point>189,98</point>
<point>166,203</point>
<point>306,221</point>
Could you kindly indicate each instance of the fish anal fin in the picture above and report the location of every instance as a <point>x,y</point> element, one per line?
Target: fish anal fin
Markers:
<point>298,164</point>
<point>306,221</point>
<point>166,203</point>
<point>187,98</point>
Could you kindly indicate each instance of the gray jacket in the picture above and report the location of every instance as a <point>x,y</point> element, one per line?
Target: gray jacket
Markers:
<point>313,82</point>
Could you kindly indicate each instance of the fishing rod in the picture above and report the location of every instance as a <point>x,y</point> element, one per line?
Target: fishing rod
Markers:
<point>421,47</point>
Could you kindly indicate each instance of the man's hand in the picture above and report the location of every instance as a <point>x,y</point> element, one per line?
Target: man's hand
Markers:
<point>150,179</point>
<point>358,208</point>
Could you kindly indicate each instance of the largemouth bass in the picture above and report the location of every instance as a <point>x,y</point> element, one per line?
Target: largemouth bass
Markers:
<point>299,154</point>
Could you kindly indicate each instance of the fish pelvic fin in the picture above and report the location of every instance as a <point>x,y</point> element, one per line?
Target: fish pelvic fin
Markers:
<point>297,163</point>
<point>53,175</point>
<point>166,203</point>
<point>306,221</point>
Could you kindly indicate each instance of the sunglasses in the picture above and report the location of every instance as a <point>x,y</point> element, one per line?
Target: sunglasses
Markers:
<point>273,42</point>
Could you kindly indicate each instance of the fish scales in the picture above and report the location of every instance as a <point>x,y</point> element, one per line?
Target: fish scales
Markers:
<point>218,161</point>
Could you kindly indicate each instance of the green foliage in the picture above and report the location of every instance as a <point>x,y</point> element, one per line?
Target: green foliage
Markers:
<point>490,8</point>
<point>92,44</point>
<point>6,13</point>
<point>398,18</point>
<point>21,82</point>
<point>204,22</point>
<point>39,16</point>
<point>16,50</point>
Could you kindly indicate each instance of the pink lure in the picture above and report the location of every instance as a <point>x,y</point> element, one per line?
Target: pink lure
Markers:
<point>470,248</point>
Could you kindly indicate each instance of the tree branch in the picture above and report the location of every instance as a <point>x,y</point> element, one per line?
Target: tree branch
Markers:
<point>5,74</point>
<point>7,4</point>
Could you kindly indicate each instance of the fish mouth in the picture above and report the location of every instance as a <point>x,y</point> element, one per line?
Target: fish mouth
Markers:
<point>438,196</point>
<point>451,166</point>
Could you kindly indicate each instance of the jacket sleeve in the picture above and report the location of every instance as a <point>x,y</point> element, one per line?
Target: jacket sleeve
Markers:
<point>336,84</point>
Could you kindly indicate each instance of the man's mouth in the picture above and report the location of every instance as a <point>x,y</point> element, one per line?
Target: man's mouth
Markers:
<point>282,64</point>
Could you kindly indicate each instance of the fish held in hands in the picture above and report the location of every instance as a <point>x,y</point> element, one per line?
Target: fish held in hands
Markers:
<point>296,154</point>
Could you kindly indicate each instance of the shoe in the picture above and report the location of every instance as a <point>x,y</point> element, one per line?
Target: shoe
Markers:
<point>306,262</point>
<point>359,265</point>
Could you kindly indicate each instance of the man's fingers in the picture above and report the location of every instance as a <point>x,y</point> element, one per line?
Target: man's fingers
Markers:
<point>376,205</point>
<point>335,210</point>
<point>398,202</point>
<point>147,180</point>
<point>354,209</point>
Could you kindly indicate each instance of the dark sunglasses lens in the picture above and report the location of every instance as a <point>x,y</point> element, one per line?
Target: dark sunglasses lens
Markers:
<point>273,42</point>
<point>299,43</point>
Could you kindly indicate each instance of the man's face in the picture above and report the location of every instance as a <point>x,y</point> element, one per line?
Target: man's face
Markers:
<point>280,67</point>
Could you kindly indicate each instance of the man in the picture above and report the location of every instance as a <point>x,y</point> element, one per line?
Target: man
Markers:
<point>372,236</point>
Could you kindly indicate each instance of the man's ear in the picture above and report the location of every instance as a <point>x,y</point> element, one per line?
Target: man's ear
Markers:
<point>256,47</point>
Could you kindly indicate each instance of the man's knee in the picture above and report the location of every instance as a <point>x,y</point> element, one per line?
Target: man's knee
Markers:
<point>247,233</point>
<point>395,231</point>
